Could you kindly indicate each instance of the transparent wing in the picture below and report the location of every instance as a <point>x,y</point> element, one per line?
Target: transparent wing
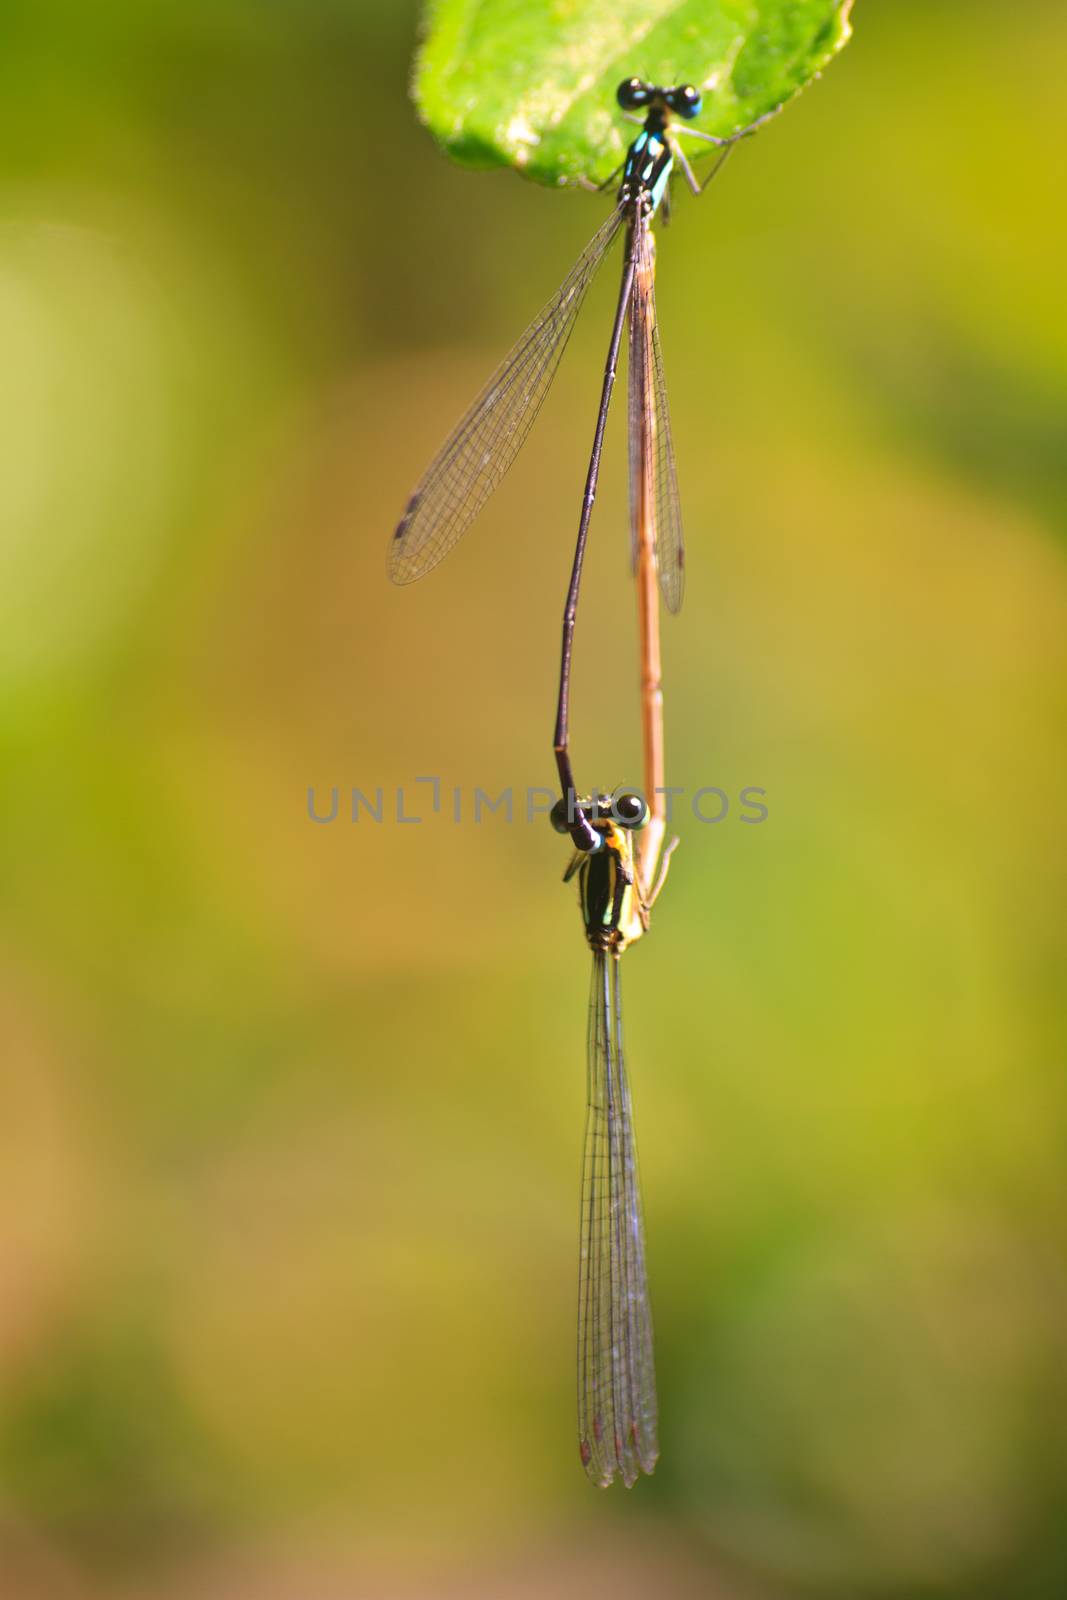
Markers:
<point>653,478</point>
<point>616,1376</point>
<point>472,462</point>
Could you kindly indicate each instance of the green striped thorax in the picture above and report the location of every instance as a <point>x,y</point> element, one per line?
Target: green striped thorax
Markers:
<point>613,913</point>
<point>647,169</point>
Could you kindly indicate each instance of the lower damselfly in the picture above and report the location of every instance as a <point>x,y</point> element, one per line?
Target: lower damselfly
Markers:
<point>482,447</point>
<point>617,1409</point>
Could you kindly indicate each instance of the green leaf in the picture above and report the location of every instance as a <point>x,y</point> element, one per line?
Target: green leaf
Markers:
<point>531,83</point>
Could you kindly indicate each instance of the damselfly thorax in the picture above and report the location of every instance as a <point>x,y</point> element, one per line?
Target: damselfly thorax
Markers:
<point>613,901</point>
<point>613,911</point>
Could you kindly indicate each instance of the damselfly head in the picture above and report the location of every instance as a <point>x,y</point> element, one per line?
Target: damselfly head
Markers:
<point>635,95</point>
<point>625,807</point>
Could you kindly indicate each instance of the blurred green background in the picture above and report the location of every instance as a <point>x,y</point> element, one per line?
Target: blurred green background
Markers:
<point>292,1113</point>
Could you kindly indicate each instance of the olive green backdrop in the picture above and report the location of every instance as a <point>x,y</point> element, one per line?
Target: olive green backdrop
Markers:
<point>292,1112</point>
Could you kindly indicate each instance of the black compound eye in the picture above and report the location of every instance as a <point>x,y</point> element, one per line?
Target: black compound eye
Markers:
<point>686,101</point>
<point>558,817</point>
<point>629,809</point>
<point>633,94</point>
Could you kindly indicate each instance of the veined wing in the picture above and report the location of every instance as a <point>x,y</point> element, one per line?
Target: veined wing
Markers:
<point>616,1376</point>
<point>472,462</point>
<point>653,478</point>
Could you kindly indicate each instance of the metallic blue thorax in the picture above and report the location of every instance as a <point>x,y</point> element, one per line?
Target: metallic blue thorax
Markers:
<point>648,165</point>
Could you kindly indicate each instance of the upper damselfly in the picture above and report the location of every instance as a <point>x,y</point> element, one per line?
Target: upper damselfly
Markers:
<point>474,459</point>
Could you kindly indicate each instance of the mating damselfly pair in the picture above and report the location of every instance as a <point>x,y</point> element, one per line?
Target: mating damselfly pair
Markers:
<point>617,884</point>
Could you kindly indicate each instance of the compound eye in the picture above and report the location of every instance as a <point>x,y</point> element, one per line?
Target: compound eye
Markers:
<point>686,101</point>
<point>629,809</point>
<point>558,817</point>
<point>633,94</point>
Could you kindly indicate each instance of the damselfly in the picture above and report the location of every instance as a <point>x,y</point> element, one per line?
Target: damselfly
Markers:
<point>617,1411</point>
<point>474,459</point>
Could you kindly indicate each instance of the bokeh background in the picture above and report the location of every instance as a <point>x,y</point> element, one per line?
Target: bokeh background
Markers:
<point>292,1112</point>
